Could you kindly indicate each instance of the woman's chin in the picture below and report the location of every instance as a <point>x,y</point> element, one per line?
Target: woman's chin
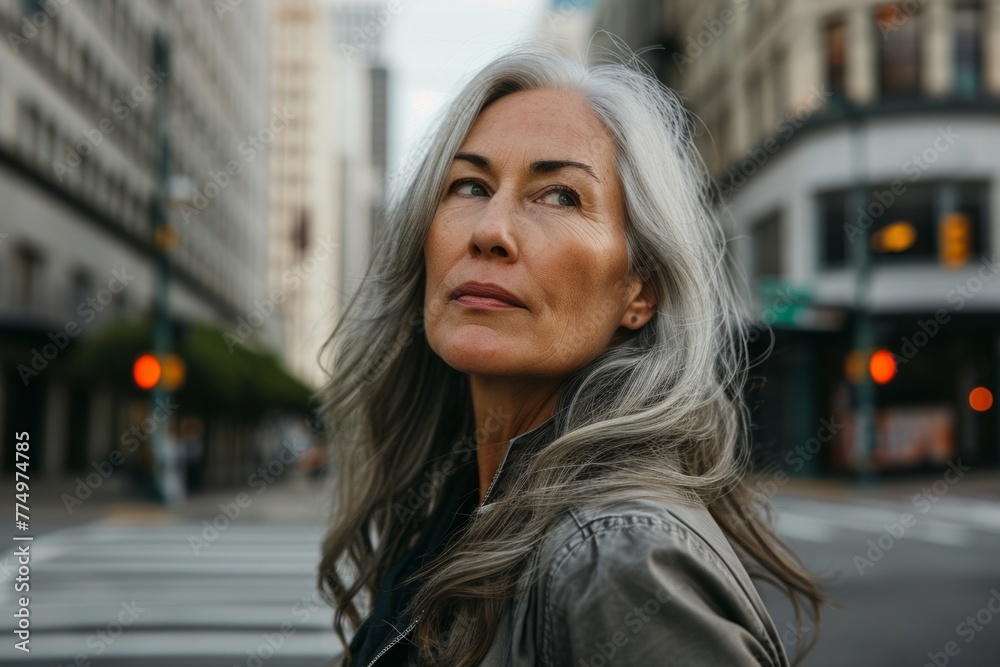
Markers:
<point>480,352</point>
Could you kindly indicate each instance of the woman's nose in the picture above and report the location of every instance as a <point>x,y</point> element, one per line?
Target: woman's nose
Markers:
<point>493,234</point>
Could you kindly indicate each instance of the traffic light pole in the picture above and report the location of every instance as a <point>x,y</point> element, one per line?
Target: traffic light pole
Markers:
<point>864,334</point>
<point>162,455</point>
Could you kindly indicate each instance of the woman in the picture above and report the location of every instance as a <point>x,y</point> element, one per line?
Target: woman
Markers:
<point>539,438</point>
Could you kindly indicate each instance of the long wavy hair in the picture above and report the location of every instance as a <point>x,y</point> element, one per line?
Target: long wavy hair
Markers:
<point>659,414</point>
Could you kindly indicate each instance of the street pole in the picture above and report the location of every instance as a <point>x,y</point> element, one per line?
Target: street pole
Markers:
<point>162,456</point>
<point>864,334</point>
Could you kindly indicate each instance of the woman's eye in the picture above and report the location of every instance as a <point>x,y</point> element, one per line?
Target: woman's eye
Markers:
<point>560,198</point>
<point>471,189</point>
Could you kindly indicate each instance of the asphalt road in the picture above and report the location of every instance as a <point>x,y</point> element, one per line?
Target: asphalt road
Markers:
<point>915,582</point>
<point>160,589</point>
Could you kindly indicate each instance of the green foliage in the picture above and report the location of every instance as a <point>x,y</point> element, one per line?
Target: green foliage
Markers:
<point>240,383</point>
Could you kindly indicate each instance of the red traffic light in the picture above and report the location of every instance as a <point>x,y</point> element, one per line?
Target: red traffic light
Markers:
<point>882,366</point>
<point>150,372</point>
<point>146,371</point>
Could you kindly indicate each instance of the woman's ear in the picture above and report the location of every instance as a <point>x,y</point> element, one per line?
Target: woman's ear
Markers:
<point>641,307</point>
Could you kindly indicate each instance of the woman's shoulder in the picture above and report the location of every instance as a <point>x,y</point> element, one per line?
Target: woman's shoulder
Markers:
<point>655,524</point>
<point>621,570</point>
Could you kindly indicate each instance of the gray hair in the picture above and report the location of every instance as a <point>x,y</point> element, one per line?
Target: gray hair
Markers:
<point>659,414</point>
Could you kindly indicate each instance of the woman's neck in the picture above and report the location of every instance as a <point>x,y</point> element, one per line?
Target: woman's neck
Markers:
<point>505,408</point>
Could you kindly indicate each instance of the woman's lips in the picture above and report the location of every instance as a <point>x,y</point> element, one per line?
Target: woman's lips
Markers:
<point>484,302</point>
<point>490,296</point>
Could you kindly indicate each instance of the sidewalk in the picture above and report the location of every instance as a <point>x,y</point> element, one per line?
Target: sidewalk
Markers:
<point>296,498</point>
<point>57,503</point>
<point>978,485</point>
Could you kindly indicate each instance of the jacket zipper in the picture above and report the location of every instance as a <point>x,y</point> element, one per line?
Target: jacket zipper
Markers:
<point>486,495</point>
<point>394,641</point>
<point>496,476</point>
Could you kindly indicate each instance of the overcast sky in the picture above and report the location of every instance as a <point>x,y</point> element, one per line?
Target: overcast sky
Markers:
<point>432,45</point>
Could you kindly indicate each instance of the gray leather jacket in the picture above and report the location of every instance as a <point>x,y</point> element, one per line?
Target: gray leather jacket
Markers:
<point>640,583</point>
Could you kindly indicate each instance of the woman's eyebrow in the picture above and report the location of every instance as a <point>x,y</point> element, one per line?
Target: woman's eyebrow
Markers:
<point>539,167</point>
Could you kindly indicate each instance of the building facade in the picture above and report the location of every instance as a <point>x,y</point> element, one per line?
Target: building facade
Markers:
<point>853,146</point>
<point>304,263</point>
<point>79,94</point>
<point>359,28</point>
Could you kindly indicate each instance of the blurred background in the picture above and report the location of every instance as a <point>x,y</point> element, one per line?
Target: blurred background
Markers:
<point>189,192</point>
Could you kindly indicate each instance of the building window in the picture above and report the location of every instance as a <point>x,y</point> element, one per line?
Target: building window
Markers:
<point>830,214</point>
<point>82,287</point>
<point>778,88</point>
<point>968,48</point>
<point>755,104</point>
<point>903,223</point>
<point>765,239</point>
<point>898,46</point>
<point>27,275</point>
<point>835,45</point>
<point>27,126</point>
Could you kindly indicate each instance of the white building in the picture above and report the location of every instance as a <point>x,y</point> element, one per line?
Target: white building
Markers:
<point>807,105</point>
<point>78,148</point>
<point>327,170</point>
<point>305,220</point>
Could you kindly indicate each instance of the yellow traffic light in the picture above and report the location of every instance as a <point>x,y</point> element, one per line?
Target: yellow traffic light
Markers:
<point>955,240</point>
<point>173,372</point>
<point>895,237</point>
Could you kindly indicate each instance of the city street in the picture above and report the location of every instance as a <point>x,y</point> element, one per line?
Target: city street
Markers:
<point>243,590</point>
<point>915,598</point>
<point>186,587</point>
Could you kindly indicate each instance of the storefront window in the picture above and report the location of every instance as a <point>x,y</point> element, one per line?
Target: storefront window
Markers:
<point>902,221</point>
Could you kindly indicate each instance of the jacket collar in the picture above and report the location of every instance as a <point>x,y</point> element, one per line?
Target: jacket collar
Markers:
<point>517,448</point>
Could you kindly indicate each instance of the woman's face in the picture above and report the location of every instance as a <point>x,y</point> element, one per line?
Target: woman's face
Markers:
<point>532,205</point>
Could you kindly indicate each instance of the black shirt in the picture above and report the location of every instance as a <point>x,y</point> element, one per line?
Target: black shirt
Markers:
<point>388,619</point>
<point>460,500</point>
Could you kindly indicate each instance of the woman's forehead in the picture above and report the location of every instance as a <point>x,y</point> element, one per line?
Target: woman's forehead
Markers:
<point>541,124</point>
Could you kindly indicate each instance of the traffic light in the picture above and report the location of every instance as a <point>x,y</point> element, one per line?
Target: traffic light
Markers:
<point>981,399</point>
<point>955,240</point>
<point>154,372</point>
<point>897,237</point>
<point>882,366</point>
<point>879,364</point>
